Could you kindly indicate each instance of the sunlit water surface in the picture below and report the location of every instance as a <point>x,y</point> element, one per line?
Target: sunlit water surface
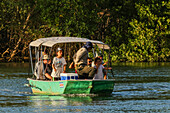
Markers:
<point>139,87</point>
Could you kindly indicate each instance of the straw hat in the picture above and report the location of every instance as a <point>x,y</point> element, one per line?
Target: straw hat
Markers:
<point>45,57</point>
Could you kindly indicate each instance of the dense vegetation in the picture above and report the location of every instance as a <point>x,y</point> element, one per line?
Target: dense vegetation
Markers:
<point>136,30</point>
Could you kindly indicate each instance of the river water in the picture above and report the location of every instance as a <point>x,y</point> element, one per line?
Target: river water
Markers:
<point>139,87</point>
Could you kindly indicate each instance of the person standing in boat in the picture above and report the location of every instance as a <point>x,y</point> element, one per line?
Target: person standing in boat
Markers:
<point>59,64</point>
<point>80,59</point>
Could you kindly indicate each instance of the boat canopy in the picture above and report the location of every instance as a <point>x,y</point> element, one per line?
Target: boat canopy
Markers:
<point>51,41</point>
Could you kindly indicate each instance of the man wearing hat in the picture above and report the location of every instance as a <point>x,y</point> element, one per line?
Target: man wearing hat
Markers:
<point>43,69</point>
<point>80,59</point>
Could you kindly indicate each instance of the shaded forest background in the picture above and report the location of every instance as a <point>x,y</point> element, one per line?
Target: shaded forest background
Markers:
<point>136,30</point>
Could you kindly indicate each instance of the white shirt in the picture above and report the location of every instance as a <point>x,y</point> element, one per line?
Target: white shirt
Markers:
<point>59,66</point>
<point>99,74</point>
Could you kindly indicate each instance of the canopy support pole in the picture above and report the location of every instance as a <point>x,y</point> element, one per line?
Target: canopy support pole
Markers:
<point>110,64</point>
<point>31,59</point>
<point>103,50</point>
<point>94,50</point>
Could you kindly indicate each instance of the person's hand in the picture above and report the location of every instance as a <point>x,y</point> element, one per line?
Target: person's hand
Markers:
<point>64,71</point>
<point>110,68</point>
<point>97,66</point>
<point>49,62</point>
<point>105,77</point>
<point>55,70</point>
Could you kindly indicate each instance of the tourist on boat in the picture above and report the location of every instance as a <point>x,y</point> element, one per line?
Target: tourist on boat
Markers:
<point>101,73</point>
<point>80,60</point>
<point>59,64</point>
<point>43,69</point>
<point>103,63</point>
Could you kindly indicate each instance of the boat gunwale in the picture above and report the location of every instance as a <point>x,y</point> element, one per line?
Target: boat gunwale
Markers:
<point>71,80</point>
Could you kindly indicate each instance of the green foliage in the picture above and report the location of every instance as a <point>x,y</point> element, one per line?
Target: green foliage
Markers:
<point>135,30</point>
<point>149,37</point>
<point>69,18</point>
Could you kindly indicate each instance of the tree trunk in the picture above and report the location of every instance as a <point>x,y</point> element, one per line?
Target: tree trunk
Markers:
<point>15,50</point>
<point>24,48</point>
<point>20,39</point>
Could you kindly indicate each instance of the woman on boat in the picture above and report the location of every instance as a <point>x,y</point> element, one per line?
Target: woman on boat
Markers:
<point>80,60</point>
<point>59,64</point>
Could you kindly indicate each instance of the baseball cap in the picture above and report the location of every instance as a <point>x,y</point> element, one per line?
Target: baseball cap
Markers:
<point>58,49</point>
<point>89,45</point>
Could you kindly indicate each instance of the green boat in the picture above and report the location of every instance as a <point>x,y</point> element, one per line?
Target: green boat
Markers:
<point>76,86</point>
<point>71,87</point>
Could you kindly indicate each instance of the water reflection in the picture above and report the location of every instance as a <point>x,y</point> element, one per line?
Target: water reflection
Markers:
<point>59,103</point>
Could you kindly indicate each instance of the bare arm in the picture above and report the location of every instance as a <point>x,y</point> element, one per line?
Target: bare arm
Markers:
<point>71,65</point>
<point>53,67</point>
<point>64,71</point>
<point>105,63</point>
<point>107,68</point>
<point>48,76</point>
<point>105,74</point>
